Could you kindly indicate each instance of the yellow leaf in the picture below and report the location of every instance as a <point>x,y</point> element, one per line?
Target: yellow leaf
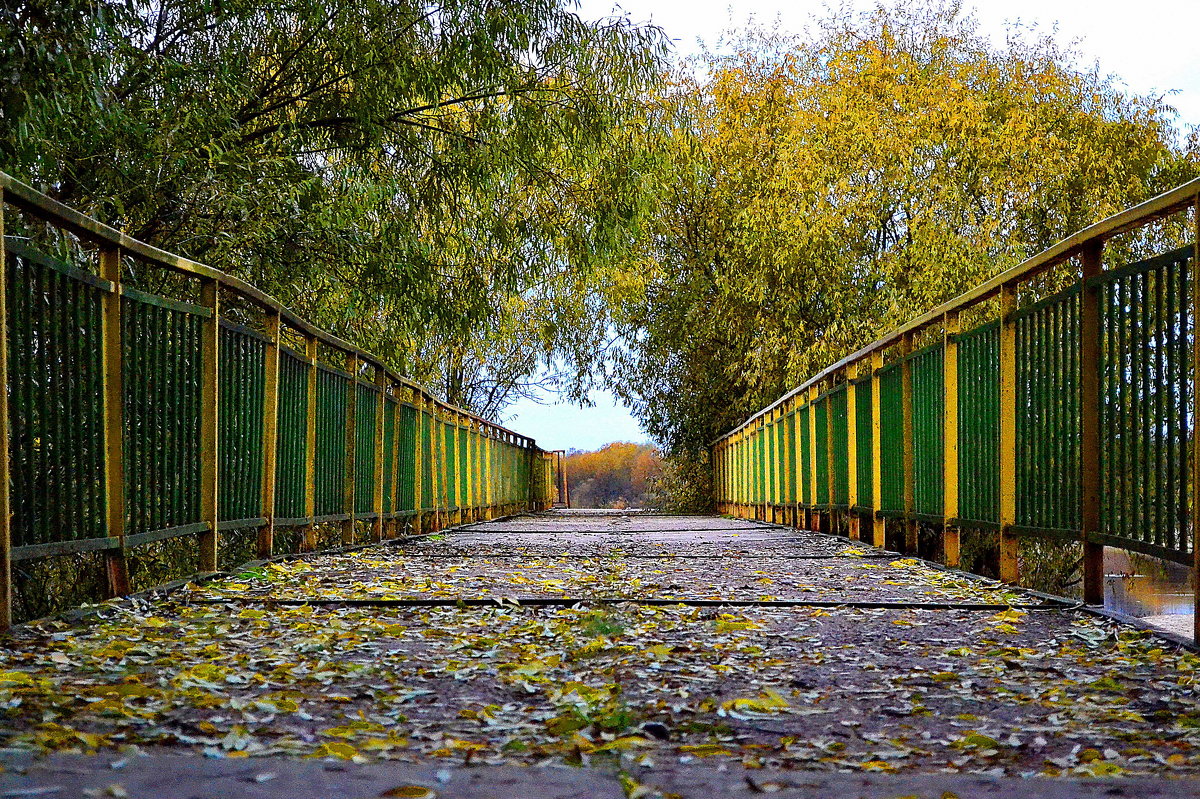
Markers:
<point>1009,616</point>
<point>411,792</point>
<point>624,744</point>
<point>704,750</point>
<point>769,701</point>
<point>342,751</point>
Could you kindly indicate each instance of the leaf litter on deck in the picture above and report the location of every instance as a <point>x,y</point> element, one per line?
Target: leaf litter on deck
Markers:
<point>814,688</point>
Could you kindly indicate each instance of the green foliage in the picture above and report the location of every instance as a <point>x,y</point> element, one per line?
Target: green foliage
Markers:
<point>685,484</point>
<point>413,177</point>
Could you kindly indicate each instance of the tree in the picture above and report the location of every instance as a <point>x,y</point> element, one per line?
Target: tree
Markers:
<point>830,186</point>
<point>397,170</point>
<point>618,475</point>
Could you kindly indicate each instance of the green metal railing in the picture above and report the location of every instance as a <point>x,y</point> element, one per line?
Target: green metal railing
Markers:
<point>1070,416</point>
<point>131,416</point>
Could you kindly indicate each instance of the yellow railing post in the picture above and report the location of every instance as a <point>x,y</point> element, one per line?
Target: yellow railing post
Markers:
<point>852,451</point>
<point>309,534</point>
<point>814,514</point>
<point>1195,413</point>
<point>489,489</point>
<point>910,504</point>
<point>793,476</point>
<point>1008,434</point>
<point>1089,423</point>
<point>381,383</point>
<point>466,470</point>
<point>418,462</point>
<point>266,533</point>
<point>742,476</point>
<point>116,568</point>
<point>442,471</point>
<point>950,530</point>
<point>348,458</point>
<point>776,464</point>
<point>210,298</point>
<point>878,523</point>
<point>5,479</point>
<point>834,522</point>
<point>392,463</point>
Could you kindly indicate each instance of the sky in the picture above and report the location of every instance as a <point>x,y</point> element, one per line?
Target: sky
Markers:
<point>1149,46</point>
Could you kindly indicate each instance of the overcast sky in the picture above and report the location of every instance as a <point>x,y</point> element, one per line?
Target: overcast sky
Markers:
<point>1150,46</point>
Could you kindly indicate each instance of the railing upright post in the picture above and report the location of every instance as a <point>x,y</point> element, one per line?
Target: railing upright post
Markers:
<point>466,491</point>
<point>799,518</point>
<point>1009,572</point>
<point>266,533</point>
<point>116,567</point>
<point>1195,397</point>
<point>5,473</point>
<point>380,415</point>
<point>834,525</point>
<point>489,494</point>
<point>950,531</point>
<point>878,523</point>
<point>308,532</point>
<point>814,515</point>
<point>348,498</point>
<point>1089,423</point>
<point>210,298</point>
<point>793,476</point>
<point>392,529</point>
<point>441,472</point>
<point>911,543</point>
<point>739,506</point>
<point>784,466</point>
<point>770,453</point>
<point>852,517</point>
<point>418,462</point>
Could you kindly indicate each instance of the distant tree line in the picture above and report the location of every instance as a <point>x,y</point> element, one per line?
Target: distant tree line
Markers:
<point>618,475</point>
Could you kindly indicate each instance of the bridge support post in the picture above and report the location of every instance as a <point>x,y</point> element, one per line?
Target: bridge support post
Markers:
<point>441,495</point>
<point>308,541</point>
<point>1009,571</point>
<point>777,467</point>
<point>911,542</point>
<point>814,513</point>
<point>1089,413</point>
<point>1195,377</point>
<point>878,523</point>
<point>489,494</point>
<point>418,463</point>
<point>352,366</point>
<point>852,451</point>
<point>950,532</point>
<point>377,444</point>
<point>266,533</point>
<point>5,479</point>
<point>210,297</point>
<point>392,528</point>
<point>833,525</point>
<point>116,566</point>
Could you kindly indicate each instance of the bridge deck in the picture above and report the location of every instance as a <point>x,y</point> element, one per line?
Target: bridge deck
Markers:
<point>664,646</point>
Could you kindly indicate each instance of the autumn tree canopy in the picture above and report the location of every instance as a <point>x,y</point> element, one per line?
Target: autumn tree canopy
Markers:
<point>619,475</point>
<point>826,187</point>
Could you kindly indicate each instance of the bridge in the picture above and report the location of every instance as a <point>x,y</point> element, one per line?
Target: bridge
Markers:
<point>325,580</point>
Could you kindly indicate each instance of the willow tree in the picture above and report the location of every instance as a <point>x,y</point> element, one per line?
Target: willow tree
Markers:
<point>831,185</point>
<point>397,169</point>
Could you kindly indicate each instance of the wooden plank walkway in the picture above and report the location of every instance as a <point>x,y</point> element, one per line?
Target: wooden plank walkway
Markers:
<point>658,655</point>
